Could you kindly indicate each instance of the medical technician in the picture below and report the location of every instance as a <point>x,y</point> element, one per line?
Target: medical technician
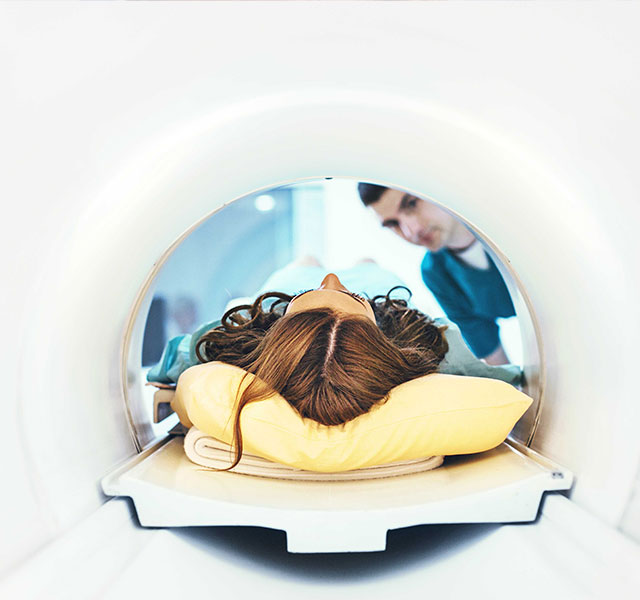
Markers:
<point>457,270</point>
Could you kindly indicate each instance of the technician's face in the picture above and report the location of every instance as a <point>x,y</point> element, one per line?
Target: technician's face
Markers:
<point>415,220</point>
<point>331,294</point>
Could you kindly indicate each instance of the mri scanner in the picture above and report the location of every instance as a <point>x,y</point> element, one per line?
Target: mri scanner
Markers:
<point>127,125</point>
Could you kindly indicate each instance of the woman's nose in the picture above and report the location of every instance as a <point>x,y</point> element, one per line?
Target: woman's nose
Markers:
<point>331,282</point>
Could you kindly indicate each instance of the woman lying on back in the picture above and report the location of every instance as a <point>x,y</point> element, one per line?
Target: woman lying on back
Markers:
<point>331,353</point>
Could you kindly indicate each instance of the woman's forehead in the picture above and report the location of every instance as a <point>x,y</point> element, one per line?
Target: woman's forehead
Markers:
<point>335,299</point>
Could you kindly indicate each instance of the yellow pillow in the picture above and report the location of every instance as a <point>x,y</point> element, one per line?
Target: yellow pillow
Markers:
<point>432,415</point>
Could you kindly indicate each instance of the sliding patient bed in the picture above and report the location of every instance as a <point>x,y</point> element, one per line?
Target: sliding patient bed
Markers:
<point>502,485</point>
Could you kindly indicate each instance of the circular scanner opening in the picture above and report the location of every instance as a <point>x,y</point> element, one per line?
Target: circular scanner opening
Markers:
<point>321,225</point>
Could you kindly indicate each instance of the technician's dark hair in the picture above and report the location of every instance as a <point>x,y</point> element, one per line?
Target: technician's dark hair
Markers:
<point>370,192</point>
<point>330,366</point>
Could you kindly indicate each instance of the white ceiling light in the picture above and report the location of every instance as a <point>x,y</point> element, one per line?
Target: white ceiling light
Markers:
<point>265,203</point>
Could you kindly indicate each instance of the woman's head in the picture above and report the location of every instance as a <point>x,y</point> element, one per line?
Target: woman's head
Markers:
<point>333,366</point>
<point>332,357</point>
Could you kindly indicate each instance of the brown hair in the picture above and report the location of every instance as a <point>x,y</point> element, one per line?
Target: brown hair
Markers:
<point>330,366</point>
